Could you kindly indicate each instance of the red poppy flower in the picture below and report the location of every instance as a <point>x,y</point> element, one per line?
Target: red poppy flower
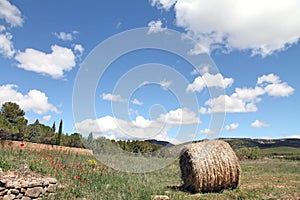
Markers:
<point>103,167</point>
<point>78,176</point>
<point>22,144</point>
<point>130,188</point>
<point>82,182</point>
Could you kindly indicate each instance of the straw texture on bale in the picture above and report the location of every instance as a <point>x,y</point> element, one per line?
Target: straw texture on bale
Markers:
<point>209,166</point>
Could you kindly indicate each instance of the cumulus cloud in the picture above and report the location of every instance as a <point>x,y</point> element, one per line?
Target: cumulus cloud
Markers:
<point>165,84</point>
<point>179,116</point>
<point>66,36</point>
<point>163,4</point>
<point>231,127</point>
<point>34,100</point>
<point>155,27</point>
<point>261,26</point>
<point>53,64</point>
<point>10,13</point>
<point>137,102</point>
<point>78,49</point>
<point>245,99</point>
<point>46,118</point>
<point>209,80</point>
<point>112,97</point>
<point>140,127</point>
<point>6,45</point>
<point>258,124</point>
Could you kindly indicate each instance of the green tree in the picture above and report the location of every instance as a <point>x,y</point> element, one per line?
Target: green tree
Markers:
<point>34,132</point>
<point>53,127</point>
<point>15,116</point>
<point>59,133</point>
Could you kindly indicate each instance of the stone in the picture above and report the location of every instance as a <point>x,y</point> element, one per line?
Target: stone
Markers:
<point>23,190</point>
<point>13,191</point>
<point>3,192</point>
<point>19,196</point>
<point>35,183</point>
<point>52,188</point>
<point>26,198</point>
<point>2,188</point>
<point>34,192</point>
<point>51,180</point>
<point>9,197</point>
<point>161,197</point>
<point>24,184</point>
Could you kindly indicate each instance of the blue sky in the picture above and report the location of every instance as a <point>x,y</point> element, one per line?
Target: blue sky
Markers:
<point>253,45</point>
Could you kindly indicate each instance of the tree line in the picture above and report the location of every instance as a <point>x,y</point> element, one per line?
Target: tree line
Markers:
<point>14,126</point>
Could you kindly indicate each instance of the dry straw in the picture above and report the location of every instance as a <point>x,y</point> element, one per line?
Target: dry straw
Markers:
<point>209,166</point>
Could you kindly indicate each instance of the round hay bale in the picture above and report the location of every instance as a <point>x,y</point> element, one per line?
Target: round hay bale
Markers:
<point>209,166</point>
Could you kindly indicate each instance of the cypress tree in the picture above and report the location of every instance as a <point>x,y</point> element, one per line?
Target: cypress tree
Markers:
<point>59,133</point>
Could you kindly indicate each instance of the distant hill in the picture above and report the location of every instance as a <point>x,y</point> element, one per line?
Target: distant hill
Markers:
<point>236,143</point>
<point>162,143</point>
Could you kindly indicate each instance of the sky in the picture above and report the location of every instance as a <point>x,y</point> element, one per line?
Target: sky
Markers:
<point>174,70</point>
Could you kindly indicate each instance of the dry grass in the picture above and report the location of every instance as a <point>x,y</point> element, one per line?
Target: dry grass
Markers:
<point>209,166</point>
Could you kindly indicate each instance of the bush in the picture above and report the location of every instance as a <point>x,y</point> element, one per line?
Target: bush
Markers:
<point>248,153</point>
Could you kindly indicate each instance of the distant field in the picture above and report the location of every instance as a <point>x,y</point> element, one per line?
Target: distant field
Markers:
<point>261,179</point>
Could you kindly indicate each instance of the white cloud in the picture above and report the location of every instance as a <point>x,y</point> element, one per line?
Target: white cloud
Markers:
<point>258,124</point>
<point>101,125</point>
<point>141,122</point>
<point>179,116</point>
<point>231,127</point>
<point>34,100</point>
<point>262,26</point>
<point>279,89</point>
<point>245,99</point>
<point>137,102</point>
<point>273,86</point>
<point>248,94</point>
<point>140,127</point>
<point>10,13</point>
<point>229,104</point>
<point>165,84</point>
<point>209,80</point>
<point>155,27</point>
<point>6,44</point>
<point>270,78</point>
<point>54,64</point>
<point>78,49</point>
<point>163,4</point>
<point>46,118</point>
<point>200,70</point>
<point>112,97</point>
<point>66,36</point>
<point>293,136</point>
<point>206,131</point>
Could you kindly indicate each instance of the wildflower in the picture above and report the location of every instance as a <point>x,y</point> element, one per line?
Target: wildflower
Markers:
<point>82,182</point>
<point>28,152</point>
<point>130,188</point>
<point>105,175</point>
<point>34,161</point>
<point>103,167</point>
<point>22,145</point>
<point>78,176</point>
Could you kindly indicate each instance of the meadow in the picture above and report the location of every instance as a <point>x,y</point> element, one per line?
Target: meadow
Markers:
<point>85,177</point>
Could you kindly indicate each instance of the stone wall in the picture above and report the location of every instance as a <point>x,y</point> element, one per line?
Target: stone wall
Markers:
<point>15,145</point>
<point>26,185</point>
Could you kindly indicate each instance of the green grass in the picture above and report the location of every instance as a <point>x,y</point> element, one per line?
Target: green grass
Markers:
<point>261,179</point>
<point>281,152</point>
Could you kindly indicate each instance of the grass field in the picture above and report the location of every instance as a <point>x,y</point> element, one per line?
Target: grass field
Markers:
<point>85,177</point>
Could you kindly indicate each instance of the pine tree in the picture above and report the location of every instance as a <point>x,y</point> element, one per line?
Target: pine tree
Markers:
<point>59,133</point>
<point>53,127</point>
